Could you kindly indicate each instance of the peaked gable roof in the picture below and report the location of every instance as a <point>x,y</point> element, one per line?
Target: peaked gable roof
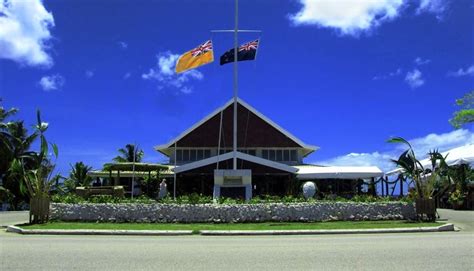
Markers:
<point>167,148</point>
<point>239,155</point>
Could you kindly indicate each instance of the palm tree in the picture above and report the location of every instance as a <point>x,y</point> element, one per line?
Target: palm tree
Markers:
<point>15,143</point>
<point>4,114</point>
<point>78,174</point>
<point>5,140</point>
<point>129,154</point>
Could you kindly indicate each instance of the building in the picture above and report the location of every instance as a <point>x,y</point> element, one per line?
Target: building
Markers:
<point>270,160</point>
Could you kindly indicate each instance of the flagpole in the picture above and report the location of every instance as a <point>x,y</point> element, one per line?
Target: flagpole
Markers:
<point>133,167</point>
<point>236,45</point>
<point>174,171</point>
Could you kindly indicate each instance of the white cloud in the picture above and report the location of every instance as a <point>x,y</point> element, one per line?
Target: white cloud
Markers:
<point>463,72</point>
<point>437,7</point>
<point>186,90</point>
<point>25,32</point>
<point>123,45</point>
<point>422,146</point>
<point>165,75</point>
<point>414,78</point>
<point>52,82</point>
<point>388,75</point>
<point>419,61</point>
<point>352,17</point>
<point>89,74</point>
<point>349,17</point>
<point>442,142</point>
<point>381,160</point>
<point>127,75</point>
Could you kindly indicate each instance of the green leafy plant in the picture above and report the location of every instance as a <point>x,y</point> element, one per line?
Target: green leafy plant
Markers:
<point>67,198</point>
<point>457,198</point>
<point>224,200</point>
<point>103,199</point>
<point>465,114</point>
<point>129,154</point>
<point>79,174</point>
<point>411,166</point>
<point>15,143</point>
<point>38,180</point>
<point>195,198</point>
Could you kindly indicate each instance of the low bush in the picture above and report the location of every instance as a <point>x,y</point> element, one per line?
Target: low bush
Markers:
<point>67,198</point>
<point>195,198</point>
<point>74,199</point>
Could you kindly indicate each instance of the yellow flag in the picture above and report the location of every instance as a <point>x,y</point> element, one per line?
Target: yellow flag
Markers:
<point>201,55</point>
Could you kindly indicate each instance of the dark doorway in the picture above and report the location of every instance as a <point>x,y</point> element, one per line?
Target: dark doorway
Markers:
<point>233,192</point>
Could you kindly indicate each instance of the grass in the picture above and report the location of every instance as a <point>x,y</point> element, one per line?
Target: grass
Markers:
<point>234,226</point>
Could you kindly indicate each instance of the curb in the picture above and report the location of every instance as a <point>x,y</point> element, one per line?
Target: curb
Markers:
<point>445,227</point>
<point>19,230</point>
<point>442,228</point>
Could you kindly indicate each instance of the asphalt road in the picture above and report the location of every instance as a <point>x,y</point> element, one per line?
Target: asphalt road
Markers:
<point>409,251</point>
<point>427,251</point>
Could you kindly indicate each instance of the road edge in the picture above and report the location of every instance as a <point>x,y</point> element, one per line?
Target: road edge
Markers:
<point>441,228</point>
<point>19,230</point>
<point>16,229</point>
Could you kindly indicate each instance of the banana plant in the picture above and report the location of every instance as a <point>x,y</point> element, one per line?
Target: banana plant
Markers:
<point>36,168</point>
<point>427,181</point>
<point>410,164</point>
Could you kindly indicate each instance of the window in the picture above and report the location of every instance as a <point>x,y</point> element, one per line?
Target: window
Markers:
<point>286,155</point>
<point>207,153</point>
<point>272,155</point>
<point>192,155</point>
<point>200,154</point>
<point>185,155</point>
<point>265,154</point>
<point>179,155</point>
<point>279,155</point>
<point>293,155</point>
<point>252,152</point>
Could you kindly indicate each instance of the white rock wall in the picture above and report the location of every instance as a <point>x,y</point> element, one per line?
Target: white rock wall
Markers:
<point>220,213</point>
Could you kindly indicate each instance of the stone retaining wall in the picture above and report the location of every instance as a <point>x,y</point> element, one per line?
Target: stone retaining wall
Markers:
<point>221,213</point>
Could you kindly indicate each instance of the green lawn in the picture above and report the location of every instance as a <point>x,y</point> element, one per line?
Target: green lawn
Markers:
<point>234,226</point>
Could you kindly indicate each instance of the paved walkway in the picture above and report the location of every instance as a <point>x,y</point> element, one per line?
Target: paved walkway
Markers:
<point>464,220</point>
<point>8,218</point>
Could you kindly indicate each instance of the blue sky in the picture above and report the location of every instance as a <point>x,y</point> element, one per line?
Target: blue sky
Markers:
<point>342,75</point>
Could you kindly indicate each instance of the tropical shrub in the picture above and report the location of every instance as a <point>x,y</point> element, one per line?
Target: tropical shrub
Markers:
<point>427,181</point>
<point>195,198</point>
<point>39,180</point>
<point>72,198</point>
<point>456,198</point>
<point>67,198</point>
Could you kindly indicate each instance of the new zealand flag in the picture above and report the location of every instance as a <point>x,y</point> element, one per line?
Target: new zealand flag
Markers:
<point>247,51</point>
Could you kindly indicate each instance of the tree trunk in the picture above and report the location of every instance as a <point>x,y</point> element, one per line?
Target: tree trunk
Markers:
<point>39,209</point>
